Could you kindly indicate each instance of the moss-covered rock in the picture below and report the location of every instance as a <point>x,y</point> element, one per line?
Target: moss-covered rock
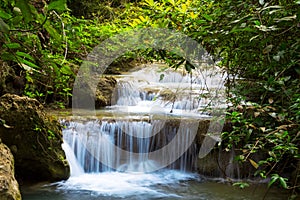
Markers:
<point>9,187</point>
<point>34,139</point>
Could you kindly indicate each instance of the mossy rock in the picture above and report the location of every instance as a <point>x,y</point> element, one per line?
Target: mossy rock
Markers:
<point>34,138</point>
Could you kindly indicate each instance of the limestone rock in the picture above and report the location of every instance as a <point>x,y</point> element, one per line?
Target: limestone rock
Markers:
<point>34,139</point>
<point>9,187</point>
<point>105,89</point>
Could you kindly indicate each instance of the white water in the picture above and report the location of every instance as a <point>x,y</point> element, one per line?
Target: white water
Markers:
<point>92,147</point>
<point>129,179</point>
<point>175,92</point>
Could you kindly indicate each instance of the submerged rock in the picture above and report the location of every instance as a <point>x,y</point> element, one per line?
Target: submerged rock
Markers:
<point>34,139</point>
<point>9,187</point>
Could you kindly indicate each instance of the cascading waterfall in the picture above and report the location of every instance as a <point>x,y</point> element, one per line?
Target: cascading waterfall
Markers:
<point>148,138</point>
<point>128,144</point>
<point>137,137</point>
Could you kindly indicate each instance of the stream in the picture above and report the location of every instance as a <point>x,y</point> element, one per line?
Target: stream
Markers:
<point>143,146</point>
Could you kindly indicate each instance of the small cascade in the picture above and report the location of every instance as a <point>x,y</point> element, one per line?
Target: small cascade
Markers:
<point>75,167</point>
<point>94,145</point>
<point>171,90</point>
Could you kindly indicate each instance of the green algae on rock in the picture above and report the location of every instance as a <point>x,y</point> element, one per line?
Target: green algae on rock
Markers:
<point>34,138</point>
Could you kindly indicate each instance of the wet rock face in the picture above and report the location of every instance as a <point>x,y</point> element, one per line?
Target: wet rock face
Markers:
<point>34,139</point>
<point>9,187</point>
<point>104,92</point>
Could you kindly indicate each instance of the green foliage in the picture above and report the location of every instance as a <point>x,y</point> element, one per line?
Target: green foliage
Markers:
<point>241,185</point>
<point>255,42</point>
<point>31,42</point>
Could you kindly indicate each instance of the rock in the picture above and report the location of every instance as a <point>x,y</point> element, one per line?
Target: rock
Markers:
<point>9,187</point>
<point>104,92</point>
<point>9,81</point>
<point>220,163</point>
<point>34,138</point>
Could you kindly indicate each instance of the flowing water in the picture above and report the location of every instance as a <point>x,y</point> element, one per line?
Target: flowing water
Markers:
<point>144,147</point>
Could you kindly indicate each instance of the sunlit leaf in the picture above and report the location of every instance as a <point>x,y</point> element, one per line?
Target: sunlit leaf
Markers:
<point>22,54</point>
<point>12,45</point>
<point>273,179</point>
<point>4,15</point>
<point>66,70</point>
<point>58,5</point>
<point>283,182</point>
<point>261,2</point>
<point>253,163</point>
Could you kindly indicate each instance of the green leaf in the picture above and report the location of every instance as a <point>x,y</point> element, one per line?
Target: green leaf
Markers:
<point>52,31</point>
<point>273,179</point>
<point>4,15</point>
<point>283,182</point>
<point>22,54</point>
<point>161,77</point>
<point>66,70</point>
<point>12,45</point>
<point>25,9</point>
<point>207,17</point>
<point>28,63</point>
<point>188,66</point>
<point>4,28</point>
<point>58,5</point>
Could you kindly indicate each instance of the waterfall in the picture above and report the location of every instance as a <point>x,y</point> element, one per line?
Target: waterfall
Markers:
<point>152,135</point>
<point>94,145</point>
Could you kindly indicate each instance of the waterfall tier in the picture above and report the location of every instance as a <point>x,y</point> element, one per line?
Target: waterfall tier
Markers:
<point>131,146</point>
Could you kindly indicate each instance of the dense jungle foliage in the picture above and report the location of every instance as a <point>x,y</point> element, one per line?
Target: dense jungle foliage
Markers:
<point>256,42</point>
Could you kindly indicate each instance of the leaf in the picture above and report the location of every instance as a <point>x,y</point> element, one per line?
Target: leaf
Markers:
<point>283,182</point>
<point>25,9</point>
<point>261,2</point>
<point>289,18</point>
<point>256,114</point>
<point>58,5</point>
<point>172,2</point>
<point>66,70</point>
<point>52,32</point>
<point>207,17</point>
<point>4,28</point>
<point>161,77</point>
<point>22,54</point>
<point>268,49</point>
<point>28,63</point>
<point>253,38</point>
<point>4,15</point>
<point>253,163</point>
<point>273,179</point>
<point>263,129</point>
<point>12,45</point>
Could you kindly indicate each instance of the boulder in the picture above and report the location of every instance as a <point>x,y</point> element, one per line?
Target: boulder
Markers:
<point>104,92</point>
<point>9,187</point>
<point>34,138</point>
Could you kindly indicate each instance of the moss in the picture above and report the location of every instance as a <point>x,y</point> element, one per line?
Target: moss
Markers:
<point>36,152</point>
